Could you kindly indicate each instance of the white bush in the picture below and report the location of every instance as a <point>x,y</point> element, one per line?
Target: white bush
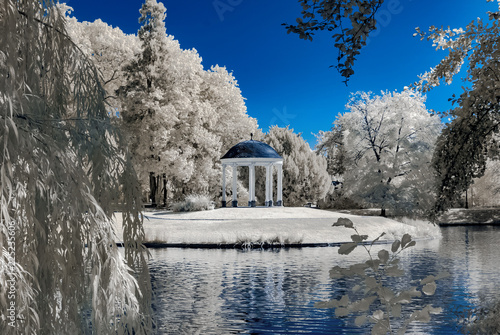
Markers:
<point>194,202</point>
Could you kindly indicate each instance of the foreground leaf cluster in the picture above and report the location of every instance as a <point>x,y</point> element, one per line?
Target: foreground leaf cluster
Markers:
<point>373,300</point>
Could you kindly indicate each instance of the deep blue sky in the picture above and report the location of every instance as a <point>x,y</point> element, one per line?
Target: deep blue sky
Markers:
<point>285,80</point>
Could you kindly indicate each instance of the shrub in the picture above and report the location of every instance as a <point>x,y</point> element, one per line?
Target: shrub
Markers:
<point>193,203</point>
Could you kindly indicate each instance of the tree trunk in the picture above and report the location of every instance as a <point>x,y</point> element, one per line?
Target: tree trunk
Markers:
<point>165,190</point>
<point>382,212</point>
<point>152,188</point>
<point>158,191</point>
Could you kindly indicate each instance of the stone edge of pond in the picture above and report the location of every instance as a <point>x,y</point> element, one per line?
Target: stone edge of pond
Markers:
<point>245,246</point>
<point>451,224</point>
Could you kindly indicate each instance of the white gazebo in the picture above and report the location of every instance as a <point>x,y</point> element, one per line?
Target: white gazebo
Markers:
<point>253,153</point>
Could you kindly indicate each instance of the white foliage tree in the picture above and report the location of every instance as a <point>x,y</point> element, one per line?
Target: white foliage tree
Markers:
<point>388,143</point>
<point>146,116</point>
<point>61,178</point>
<point>228,119</point>
<point>179,117</point>
<point>108,48</point>
<point>305,176</point>
<point>230,122</point>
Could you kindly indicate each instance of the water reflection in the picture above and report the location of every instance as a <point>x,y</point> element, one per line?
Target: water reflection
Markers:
<point>273,292</point>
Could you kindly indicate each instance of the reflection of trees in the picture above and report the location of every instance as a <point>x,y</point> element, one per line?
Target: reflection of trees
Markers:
<point>473,254</point>
<point>187,294</point>
<point>470,254</point>
<point>231,291</point>
<point>214,290</point>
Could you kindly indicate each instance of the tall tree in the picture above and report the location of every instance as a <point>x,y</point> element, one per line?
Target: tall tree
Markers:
<point>463,147</point>
<point>179,117</point>
<point>388,142</point>
<point>63,173</point>
<point>145,117</point>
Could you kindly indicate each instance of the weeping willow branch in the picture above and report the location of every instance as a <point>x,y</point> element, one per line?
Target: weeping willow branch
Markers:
<point>60,182</point>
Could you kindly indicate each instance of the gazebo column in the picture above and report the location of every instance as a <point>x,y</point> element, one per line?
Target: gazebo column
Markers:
<point>271,185</point>
<point>224,203</point>
<point>279,191</point>
<point>235,186</point>
<point>251,185</point>
<point>267,186</point>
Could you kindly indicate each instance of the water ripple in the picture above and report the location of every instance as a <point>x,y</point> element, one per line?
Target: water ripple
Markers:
<point>198,291</point>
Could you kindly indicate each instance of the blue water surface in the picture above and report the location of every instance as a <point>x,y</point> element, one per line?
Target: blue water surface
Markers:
<point>221,291</point>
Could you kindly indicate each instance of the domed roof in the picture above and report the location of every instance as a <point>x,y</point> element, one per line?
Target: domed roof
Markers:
<point>252,149</point>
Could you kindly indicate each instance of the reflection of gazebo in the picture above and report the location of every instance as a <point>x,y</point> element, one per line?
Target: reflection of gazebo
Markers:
<point>253,153</point>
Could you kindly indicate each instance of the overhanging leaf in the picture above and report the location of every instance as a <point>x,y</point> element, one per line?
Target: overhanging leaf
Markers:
<point>347,248</point>
<point>371,282</point>
<point>427,280</point>
<point>378,238</point>
<point>344,222</point>
<point>381,327</point>
<point>341,311</point>
<point>363,305</point>
<point>359,238</point>
<point>395,245</point>
<point>374,264</point>
<point>344,301</point>
<point>405,240</point>
<point>378,314</point>
<point>411,244</point>
<point>383,255</point>
<point>396,310</point>
<point>358,269</point>
<point>360,320</point>
<point>429,289</point>
<point>394,271</point>
<point>385,294</point>
<point>336,272</point>
<point>326,304</point>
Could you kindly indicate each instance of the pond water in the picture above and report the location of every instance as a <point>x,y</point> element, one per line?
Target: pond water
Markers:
<point>200,291</point>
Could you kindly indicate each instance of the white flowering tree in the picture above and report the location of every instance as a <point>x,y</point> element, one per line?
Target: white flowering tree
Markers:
<point>388,142</point>
<point>63,173</point>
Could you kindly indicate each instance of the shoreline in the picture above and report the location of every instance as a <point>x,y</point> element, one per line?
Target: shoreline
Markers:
<point>256,246</point>
<point>477,216</point>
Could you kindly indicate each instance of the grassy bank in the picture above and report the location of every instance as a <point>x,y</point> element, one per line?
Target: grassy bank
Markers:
<point>279,226</point>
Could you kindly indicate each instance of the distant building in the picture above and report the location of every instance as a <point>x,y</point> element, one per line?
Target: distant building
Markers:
<point>253,153</point>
